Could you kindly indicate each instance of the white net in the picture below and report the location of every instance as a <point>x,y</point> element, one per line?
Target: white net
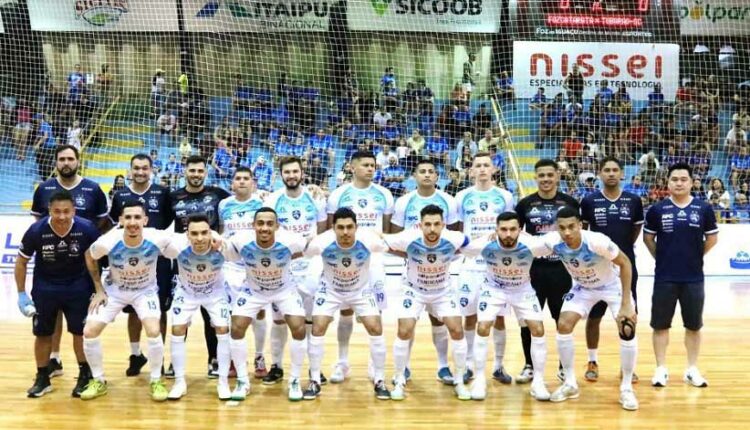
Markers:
<point>265,78</point>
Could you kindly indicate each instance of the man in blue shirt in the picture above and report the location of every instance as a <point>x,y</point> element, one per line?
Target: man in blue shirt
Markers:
<point>60,284</point>
<point>437,150</point>
<point>44,147</point>
<point>263,174</point>
<point>394,176</point>
<point>321,146</point>
<point>635,186</point>
<point>605,93</point>
<point>679,231</point>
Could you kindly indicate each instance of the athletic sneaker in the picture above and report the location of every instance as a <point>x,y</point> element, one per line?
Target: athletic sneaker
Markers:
<point>502,376</point>
<point>397,393</point>
<point>95,388</point>
<point>479,389</point>
<point>223,390</point>
<point>526,375</point>
<point>295,390</point>
<point>55,367</point>
<point>661,376</point>
<point>169,374</point>
<point>241,390</point>
<point>136,364</point>
<point>213,369</point>
<point>158,391</point>
<point>628,400</point>
<point>275,375</point>
<point>693,377</point>
<point>340,373</point>
<point>260,367</point>
<point>445,376</point>
<point>84,374</point>
<point>468,375</point>
<point>633,380</point>
<point>178,390</point>
<point>561,374</point>
<point>41,386</point>
<point>312,391</point>
<point>565,392</point>
<point>381,392</point>
<point>539,391</point>
<point>462,391</point>
<point>323,379</point>
<point>407,374</point>
<point>592,372</point>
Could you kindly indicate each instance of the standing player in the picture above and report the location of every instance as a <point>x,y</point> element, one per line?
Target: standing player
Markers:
<point>590,258</point>
<point>300,213</point>
<point>549,278</point>
<point>373,205</point>
<point>406,216</point>
<point>155,198</point>
<point>507,284</point>
<point>478,208</point>
<point>346,271</point>
<point>429,253</point>
<point>200,285</point>
<point>679,231</point>
<point>267,259</point>
<point>132,252</point>
<point>197,197</point>
<point>60,284</point>
<point>618,215</point>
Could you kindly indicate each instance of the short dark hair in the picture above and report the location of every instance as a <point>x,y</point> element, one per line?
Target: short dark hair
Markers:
<point>61,148</point>
<point>194,159</point>
<point>198,217</point>
<point>242,169</point>
<point>344,213</point>
<point>680,166</point>
<point>133,204</point>
<point>362,154</point>
<point>142,156</point>
<point>609,159</point>
<point>431,210</point>
<point>546,162</point>
<point>283,161</point>
<point>61,196</point>
<point>265,210</point>
<point>481,154</point>
<point>568,212</point>
<point>423,161</point>
<point>508,216</point>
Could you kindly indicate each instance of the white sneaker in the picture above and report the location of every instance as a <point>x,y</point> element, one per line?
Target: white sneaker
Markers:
<point>340,373</point>
<point>178,390</point>
<point>241,390</point>
<point>693,377</point>
<point>526,375</point>
<point>661,376</point>
<point>628,400</point>
<point>565,392</point>
<point>222,389</point>
<point>539,391</point>
<point>397,393</point>
<point>462,391</point>
<point>295,390</point>
<point>479,389</point>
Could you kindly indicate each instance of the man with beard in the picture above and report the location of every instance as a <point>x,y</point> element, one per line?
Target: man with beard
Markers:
<point>90,203</point>
<point>155,198</point>
<point>196,197</point>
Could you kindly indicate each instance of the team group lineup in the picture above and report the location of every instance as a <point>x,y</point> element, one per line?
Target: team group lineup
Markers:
<point>303,259</point>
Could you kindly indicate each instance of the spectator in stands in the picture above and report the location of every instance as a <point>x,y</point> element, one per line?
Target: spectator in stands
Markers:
<point>743,118</point>
<point>44,147</point>
<point>736,137</point>
<point>744,189</point>
<point>74,135</point>
<point>741,97</point>
<point>186,148</point>
<point>390,97</point>
<point>391,133</point>
<point>467,141</point>
<point>416,143</point>
<point>621,101</point>
<point>76,85</point>
<point>573,83</point>
<point>589,187</point>
<point>388,79</point>
<point>456,183</point>
<point>635,186</point>
<point>716,188</point>
<point>380,118</point>
<point>437,150</point>
<point>157,164</point>
<point>321,146</point>
<point>462,121</point>
<point>470,73</point>
<point>263,174</point>
<point>22,129</point>
<point>383,155</point>
<point>672,157</point>
<point>648,167</point>
<point>739,167</point>
<point>656,99</point>
<point>411,99</point>
<point>573,147</point>
<point>481,120</point>
<point>394,176</point>
<point>723,215</point>
<point>402,150</point>
<point>105,84</point>
<point>710,93</point>
<point>426,98</point>
<point>604,92</point>
<point>539,101</point>
<point>158,91</point>
<point>167,126</point>
<point>464,159</point>
<point>658,191</point>
<point>567,175</point>
<point>241,96</point>
<point>550,125</point>
<point>698,190</point>
<point>701,161</point>
<point>223,161</point>
<point>498,160</point>
<point>488,140</point>
<point>173,171</point>
<point>344,176</point>
<point>458,95</point>
<point>504,89</point>
<point>117,184</point>
<point>740,209</point>
<point>316,173</point>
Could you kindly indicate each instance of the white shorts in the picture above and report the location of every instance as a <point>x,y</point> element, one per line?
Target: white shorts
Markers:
<point>494,302</point>
<point>581,299</point>
<point>442,303</point>
<point>234,279</point>
<point>328,301</point>
<point>286,301</point>
<point>377,280</point>
<point>185,304</point>
<point>306,273</point>
<point>145,302</point>
<point>469,283</point>
<point>467,87</point>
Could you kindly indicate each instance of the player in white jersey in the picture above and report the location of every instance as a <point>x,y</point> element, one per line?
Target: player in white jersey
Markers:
<point>506,286</point>
<point>406,216</point>
<point>429,254</point>
<point>132,253</point>
<point>478,207</point>
<point>593,260</point>
<point>373,205</point>
<point>346,254</point>
<point>267,259</point>
<point>200,283</point>
<point>302,213</point>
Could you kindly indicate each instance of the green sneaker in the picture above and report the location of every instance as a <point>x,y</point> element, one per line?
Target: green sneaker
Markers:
<point>159,392</point>
<point>95,388</point>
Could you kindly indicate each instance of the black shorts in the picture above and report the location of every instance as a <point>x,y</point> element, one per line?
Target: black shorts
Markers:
<point>164,280</point>
<point>73,304</point>
<point>600,308</point>
<point>691,296</point>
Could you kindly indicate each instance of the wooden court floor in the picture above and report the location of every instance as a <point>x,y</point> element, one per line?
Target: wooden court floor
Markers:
<point>725,361</point>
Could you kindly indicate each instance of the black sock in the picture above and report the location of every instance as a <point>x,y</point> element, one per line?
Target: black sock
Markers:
<point>42,370</point>
<point>526,343</point>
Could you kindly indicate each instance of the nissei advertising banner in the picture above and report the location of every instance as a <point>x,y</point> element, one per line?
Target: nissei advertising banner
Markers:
<point>449,16</point>
<point>257,16</point>
<point>639,66</point>
<point>714,17</point>
<point>103,15</point>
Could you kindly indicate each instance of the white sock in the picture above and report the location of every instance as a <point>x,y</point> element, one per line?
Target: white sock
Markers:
<point>400,355</point>
<point>259,331</point>
<point>460,354</point>
<point>315,353</point>
<point>440,340</point>
<point>135,348</point>
<point>223,355</point>
<point>308,335</point>
<point>628,356</point>
<point>469,336</point>
<point>177,350</point>
<point>155,356</point>
<point>238,352</point>
<point>297,350</point>
<point>377,356</point>
<point>94,356</point>
<point>54,355</point>
<point>343,334</point>
<point>566,351</point>
<point>480,355</point>
<point>498,337</point>
<point>408,357</point>
<point>594,354</point>
<point>279,333</point>
<point>538,356</point>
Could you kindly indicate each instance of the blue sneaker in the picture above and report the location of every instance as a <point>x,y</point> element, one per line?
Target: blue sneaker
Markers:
<point>502,376</point>
<point>445,376</point>
<point>468,376</point>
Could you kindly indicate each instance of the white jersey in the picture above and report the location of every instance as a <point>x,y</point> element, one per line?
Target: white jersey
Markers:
<point>299,215</point>
<point>236,216</point>
<point>408,207</point>
<point>478,210</point>
<point>370,204</point>
<point>590,265</point>
<point>199,274</point>
<point>346,269</point>
<point>427,267</point>
<point>131,268</point>
<point>507,267</point>
<point>268,269</point>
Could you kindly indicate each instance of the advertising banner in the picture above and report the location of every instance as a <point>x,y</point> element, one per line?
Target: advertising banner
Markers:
<point>449,16</point>
<point>103,15</point>
<point>714,17</point>
<point>257,16</point>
